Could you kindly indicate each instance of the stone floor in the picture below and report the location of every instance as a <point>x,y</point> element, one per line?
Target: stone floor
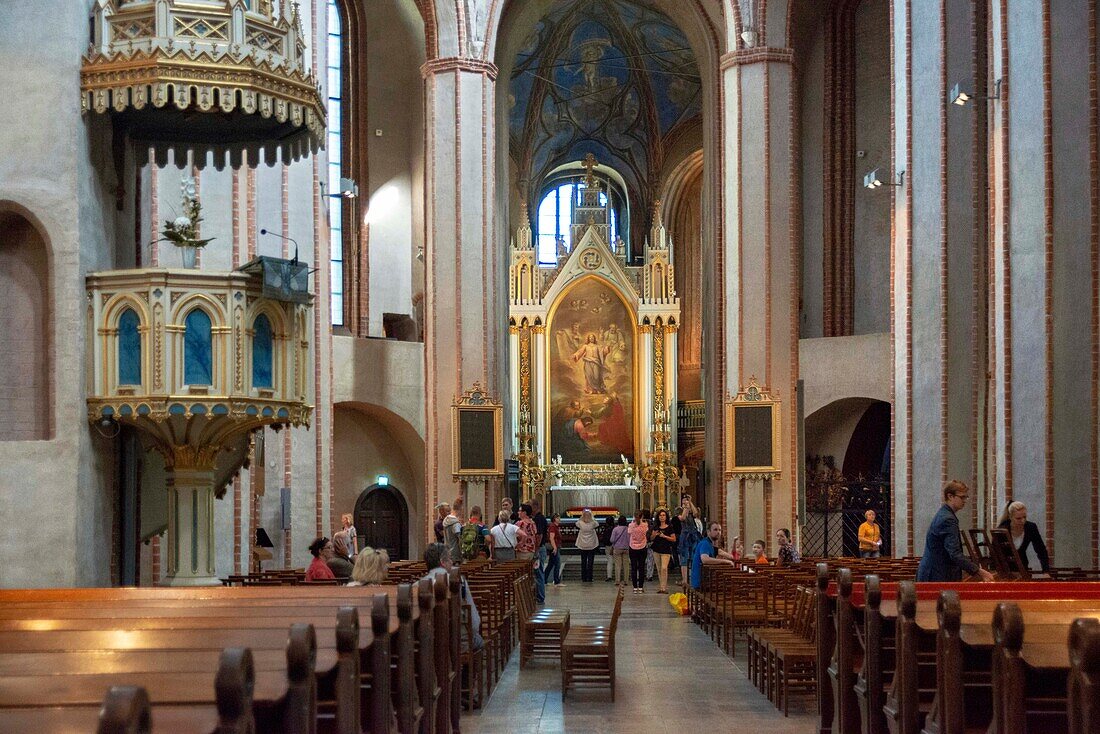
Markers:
<point>670,675</point>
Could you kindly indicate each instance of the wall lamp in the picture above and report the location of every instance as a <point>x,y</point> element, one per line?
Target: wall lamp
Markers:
<point>872,180</point>
<point>348,189</point>
<point>961,98</point>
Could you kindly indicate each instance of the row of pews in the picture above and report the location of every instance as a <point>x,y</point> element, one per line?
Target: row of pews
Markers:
<point>281,658</point>
<point>774,609</point>
<point>1003,657</point>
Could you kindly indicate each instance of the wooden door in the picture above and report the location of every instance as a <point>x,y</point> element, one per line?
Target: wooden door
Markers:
<point>382,521</point>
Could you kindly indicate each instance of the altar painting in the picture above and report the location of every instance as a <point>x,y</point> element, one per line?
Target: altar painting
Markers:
<point>591,350</point>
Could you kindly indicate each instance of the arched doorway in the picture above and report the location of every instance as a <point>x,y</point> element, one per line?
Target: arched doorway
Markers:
<point>382,520</point>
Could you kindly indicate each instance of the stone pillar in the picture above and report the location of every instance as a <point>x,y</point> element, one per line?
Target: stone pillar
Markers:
<point>464,312</point>
<point>1044,265</point>
<point>759,291</point>
<point>190,521</point>
<point>939,255</point>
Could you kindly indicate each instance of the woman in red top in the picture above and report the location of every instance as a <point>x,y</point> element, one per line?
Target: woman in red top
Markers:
<point>322,550</point>
<point>553,565</point>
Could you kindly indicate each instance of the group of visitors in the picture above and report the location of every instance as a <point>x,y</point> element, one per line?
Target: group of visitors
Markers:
<point>943,558</point>
<point>331,562</point>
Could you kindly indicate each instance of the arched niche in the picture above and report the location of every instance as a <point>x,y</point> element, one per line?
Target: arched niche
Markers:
<point>855,432</point>
<point>26,328</point>
<point>367,441</point>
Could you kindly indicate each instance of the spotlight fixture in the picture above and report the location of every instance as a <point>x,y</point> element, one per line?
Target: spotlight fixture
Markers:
<point>107,427</point>
<point>961,98</point>
<point>872,180</point>
<point>348,188</point>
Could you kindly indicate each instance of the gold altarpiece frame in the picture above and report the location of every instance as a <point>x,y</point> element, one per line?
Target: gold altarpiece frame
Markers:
<point>591,293</point>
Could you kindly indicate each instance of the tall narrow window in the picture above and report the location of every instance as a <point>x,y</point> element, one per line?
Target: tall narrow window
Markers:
<point>333,149</point>
<point>129,348</point>
<point>198,362</point>
<point>555,218</point>
<point>261,352</point>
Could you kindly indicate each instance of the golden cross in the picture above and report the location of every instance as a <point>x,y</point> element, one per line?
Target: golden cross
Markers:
<point>589,165</point>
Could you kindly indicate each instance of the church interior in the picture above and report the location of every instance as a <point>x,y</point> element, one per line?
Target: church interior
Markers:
<point>821,274</point>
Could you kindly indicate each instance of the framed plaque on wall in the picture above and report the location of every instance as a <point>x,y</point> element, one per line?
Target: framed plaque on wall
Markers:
<point>477,436</point>
<point>752,449</point>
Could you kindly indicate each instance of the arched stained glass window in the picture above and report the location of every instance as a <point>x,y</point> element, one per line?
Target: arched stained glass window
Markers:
<point>555,217</point>
<point>198,358</point>
<point>335,51</point>
<point>129,348</point>
<point>262,353</point>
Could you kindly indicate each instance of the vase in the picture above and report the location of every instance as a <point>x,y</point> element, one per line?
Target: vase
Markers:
<point>189,256</point>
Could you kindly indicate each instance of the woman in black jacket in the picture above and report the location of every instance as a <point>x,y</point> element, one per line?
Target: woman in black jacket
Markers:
<point>1024,534</point>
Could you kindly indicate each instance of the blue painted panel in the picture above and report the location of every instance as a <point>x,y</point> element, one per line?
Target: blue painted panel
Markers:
<point>198,350</point>
<point>613,78</point>
<point>261,352</point>
<point>129,348</point>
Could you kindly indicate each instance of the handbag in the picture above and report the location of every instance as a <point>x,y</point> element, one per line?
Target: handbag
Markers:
<point>504,554</point>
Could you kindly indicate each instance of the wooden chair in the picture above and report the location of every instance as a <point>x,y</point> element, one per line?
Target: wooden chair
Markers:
<point>542,630</point>
<point>1007,555</point>
<point>588,653</point>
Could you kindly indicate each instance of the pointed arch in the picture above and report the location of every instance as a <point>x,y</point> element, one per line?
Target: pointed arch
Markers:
<point>198,347</point>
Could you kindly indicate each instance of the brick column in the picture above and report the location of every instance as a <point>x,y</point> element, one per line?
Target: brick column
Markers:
<point>940,277</point>
<point>1044,250</point>
<point>464,310</point>
<point>760,278</point>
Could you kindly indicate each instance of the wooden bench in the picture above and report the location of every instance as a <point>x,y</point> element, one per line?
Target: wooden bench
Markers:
<point>588,653</point>
<point>62,621</point>
<point>783,658</point>
<point>542,630</point>
<point>876,624</point>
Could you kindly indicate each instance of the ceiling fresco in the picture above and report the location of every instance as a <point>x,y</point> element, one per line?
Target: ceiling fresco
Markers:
<point>613,78</point>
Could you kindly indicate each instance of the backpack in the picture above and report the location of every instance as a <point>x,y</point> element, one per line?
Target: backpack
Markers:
<point>471,541</point>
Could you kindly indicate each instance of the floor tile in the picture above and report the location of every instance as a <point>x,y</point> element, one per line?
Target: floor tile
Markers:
<point>662,659</point>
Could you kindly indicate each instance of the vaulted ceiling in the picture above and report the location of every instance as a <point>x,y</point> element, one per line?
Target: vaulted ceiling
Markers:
<point>614,78</point>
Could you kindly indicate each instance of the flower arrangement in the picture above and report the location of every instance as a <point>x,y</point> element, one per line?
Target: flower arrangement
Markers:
<point>183,231</point>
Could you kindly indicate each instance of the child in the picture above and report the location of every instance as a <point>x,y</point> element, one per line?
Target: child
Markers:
<point>758,553</point>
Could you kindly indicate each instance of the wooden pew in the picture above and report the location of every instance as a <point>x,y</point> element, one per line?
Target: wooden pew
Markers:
<point>146,609</point>
<point>926,691</point>
<point>337,673</point>
<point>232,698</point>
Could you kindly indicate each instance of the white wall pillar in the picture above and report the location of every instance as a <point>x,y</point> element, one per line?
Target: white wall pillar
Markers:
<point>760,275</point>
<point>464,263</point>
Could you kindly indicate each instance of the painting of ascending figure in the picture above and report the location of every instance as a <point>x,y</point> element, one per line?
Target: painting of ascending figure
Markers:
<point>591,376</point>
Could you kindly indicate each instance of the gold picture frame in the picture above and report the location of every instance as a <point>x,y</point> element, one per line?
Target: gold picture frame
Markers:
<point>756,411</point>
<point>472,414</point>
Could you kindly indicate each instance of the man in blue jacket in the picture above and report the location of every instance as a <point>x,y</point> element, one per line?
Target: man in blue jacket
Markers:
<point>943,558</point>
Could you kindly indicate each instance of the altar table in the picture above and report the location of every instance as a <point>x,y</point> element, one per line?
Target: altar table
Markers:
<point>624,497</point>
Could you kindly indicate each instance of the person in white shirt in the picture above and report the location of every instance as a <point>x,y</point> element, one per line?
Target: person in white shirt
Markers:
<point>505,536</point>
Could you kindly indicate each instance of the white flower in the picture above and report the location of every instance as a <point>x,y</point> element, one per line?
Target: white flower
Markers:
<point>187,187</point>
<point>181,222</point>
